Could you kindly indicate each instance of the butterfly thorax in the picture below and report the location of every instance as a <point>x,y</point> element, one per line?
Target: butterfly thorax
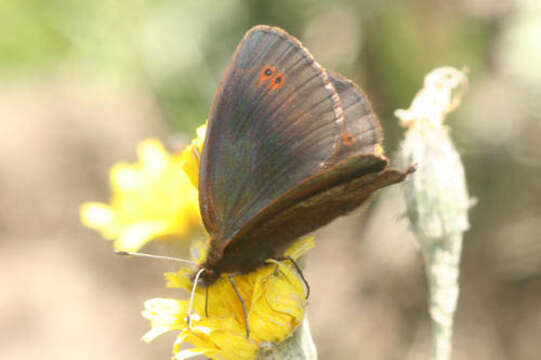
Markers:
<point>237,260</point>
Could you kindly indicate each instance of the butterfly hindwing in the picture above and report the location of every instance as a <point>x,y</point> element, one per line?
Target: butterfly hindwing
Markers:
<point>361,131</point>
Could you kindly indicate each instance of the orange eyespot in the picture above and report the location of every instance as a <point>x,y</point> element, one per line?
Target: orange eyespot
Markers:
<point>278,81</point>
<point>269,73</point>
<point>348,139</point>
<point>266,73</point>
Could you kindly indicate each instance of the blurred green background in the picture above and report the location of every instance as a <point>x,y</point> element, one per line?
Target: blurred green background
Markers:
<point>81,83</point>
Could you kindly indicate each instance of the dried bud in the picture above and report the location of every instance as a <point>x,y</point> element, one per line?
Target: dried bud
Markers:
<point>436,194</point>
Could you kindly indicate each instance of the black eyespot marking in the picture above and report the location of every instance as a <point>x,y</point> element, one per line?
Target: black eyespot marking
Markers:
<point>268,72</point>
<point>278,80</point>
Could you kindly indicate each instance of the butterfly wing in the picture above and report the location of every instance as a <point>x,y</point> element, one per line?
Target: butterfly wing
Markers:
<point>272,124</point>
<point>288,149</point>
<point>361,132</point>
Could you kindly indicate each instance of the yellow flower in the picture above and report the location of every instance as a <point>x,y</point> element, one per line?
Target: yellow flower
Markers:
<point>157,197</point>
<point>274,298</point>
<point>153,198</point>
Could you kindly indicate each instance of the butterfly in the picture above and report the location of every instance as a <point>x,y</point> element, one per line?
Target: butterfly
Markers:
<point>289,147</point>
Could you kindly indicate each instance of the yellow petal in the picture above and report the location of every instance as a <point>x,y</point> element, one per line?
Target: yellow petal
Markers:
<point>278,305</point>
<point>190,164</point>
<point>300,247</point>
<point>125,177</point>
<point>191,156</point>
<point>180,279</point>
<point>164,315</point>
<point>153,156</point>
<point>154,332</point>
<point>100,217</point>
<point>191,353</point>
<point>217,343</point>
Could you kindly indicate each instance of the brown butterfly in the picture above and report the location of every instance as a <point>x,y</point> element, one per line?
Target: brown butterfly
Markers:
<point>289,147</point>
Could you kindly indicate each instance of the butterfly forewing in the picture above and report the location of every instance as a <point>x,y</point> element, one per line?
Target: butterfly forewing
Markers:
<point>272,125</point>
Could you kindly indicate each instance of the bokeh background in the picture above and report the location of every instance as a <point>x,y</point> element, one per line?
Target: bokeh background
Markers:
<point>81,83</point>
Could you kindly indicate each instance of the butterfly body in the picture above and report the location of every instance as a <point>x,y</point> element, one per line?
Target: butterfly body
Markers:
<point>289,147</point>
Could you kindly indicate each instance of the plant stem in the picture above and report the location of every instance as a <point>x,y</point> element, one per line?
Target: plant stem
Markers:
<point>300,346</point>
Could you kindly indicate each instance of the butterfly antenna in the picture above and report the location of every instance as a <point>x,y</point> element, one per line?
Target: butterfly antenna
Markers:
<point>160,257</point>
<point>192,295</point>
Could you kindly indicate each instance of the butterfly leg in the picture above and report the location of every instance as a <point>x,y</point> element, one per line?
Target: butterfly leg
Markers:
<point>299,271</point>
<point>242,303</point>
